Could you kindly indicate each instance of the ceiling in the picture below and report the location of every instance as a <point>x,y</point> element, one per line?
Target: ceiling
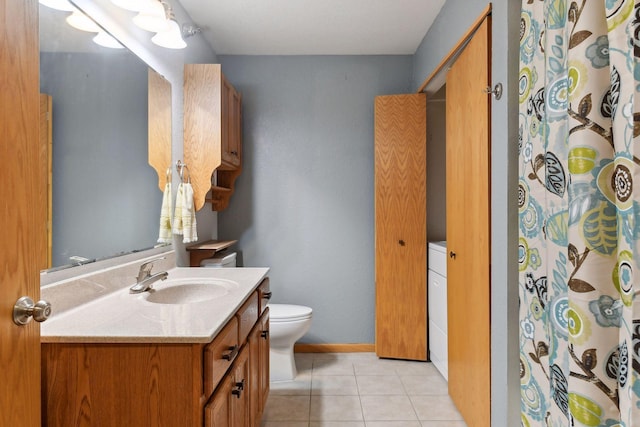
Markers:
<point>313,27</point>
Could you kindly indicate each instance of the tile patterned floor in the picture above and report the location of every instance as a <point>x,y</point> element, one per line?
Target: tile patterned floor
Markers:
<point>360,390</point>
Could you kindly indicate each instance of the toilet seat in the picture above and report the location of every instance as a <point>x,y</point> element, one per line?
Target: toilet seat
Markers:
<point>280,313</point>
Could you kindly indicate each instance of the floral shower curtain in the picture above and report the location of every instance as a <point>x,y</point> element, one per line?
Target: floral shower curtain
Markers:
<point>579,213</point>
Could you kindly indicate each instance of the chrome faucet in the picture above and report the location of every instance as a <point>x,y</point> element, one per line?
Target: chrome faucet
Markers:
<point>146,279</point>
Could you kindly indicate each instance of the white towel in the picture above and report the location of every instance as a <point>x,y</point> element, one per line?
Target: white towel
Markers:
<point>189,226</point>
<point>165,234</point>
<point>184,221</point>
<point>177,216</point>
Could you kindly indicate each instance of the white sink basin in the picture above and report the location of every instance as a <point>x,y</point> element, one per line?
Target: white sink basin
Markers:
<point>189,291</point>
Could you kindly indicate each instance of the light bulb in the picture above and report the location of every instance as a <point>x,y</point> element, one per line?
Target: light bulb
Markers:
<point>82,22</point>
<point>58,5</point>
<point>152,18</point>
<point>132,5</point>
<point>105,40</point>
<point>171,38</point>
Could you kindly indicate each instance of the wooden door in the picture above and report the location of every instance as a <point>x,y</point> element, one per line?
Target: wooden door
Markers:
<point>22,241</point>
<point>468,232</point>
<point>401,226</point>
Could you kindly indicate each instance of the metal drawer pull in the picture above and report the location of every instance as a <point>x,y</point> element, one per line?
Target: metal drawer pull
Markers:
<point>265,334</point>
<point>237,390</point>
<point>267,295</point>
<point>231,353</point>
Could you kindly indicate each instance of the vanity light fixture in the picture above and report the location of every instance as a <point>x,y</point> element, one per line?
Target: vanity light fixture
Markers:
<point>82,22</point>
<point>153,17</point>
<point>105,40</point>
<point>58,5</point>
<point>132,5</point>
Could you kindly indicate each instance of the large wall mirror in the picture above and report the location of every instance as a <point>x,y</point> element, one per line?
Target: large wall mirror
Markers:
<point>105,199</point>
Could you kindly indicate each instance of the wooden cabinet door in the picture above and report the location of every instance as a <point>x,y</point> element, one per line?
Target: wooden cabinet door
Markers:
<point>264,362</point>
<point>24,236</point>
<point>401,226</point>
<point>240,400</point>
<point>468,198</point>
<point>217,413</point>
<point>259,369</point>
<point>231,106</point>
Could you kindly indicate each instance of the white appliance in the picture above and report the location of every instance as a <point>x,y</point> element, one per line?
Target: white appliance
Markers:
<point>437,291</point>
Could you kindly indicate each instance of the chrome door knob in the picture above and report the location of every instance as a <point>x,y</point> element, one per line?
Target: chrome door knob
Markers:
<point>24,310</point>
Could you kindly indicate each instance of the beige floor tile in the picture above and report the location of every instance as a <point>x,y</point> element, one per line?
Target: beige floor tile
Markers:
<point>442,424</point>
<point>336,424</point>
<point>304,363</point>
<point>301,386</point>
<point>438,408</point>
<point>332,367</point>
<point>387,408</point>
<point>407,368</point>
<point>423,385</point>
<point>284,424</point>
<point>379,385</point>
<point>393,424</point>
<point>375,367</point>
<point>334,385</point>
<point>344,356</point>
<point>335,408</point>
<point>287,408</point>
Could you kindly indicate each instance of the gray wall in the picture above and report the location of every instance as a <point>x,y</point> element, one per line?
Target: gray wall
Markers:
<point>454,19</point>
<point>103,203</point>
<point>304,202</point>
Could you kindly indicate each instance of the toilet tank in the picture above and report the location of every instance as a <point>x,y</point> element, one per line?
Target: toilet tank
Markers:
<point>220,261</point>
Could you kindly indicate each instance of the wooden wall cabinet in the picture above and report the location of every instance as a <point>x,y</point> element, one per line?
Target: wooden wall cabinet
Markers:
<point>219,384</point>
<point>212,133</point>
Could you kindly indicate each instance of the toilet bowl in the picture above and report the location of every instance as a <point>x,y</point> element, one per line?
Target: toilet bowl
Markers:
<point>287,324</point>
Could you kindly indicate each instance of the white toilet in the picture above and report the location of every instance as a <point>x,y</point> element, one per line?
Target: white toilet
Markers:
<point>287,324</point>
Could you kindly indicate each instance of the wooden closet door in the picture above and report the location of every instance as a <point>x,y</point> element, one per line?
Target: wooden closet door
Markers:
<point>401,226</point>
<point>468,232</point>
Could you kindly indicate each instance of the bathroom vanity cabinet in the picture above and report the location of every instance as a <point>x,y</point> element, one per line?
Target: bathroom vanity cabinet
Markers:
<point>221,383</point>
<point>212,133</point>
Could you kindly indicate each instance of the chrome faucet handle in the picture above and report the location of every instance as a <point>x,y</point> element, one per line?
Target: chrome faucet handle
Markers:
<point>146,267</point>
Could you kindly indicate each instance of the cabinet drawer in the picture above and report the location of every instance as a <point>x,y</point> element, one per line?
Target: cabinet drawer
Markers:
<point>437,288</point>
<point>219,355</point>
<point>264,292</point>
<point>247,316</point>
<point>438,259</point>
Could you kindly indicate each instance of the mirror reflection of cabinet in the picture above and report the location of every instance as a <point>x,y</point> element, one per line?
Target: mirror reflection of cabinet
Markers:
<point>160,126</point>
<point>212,134</point>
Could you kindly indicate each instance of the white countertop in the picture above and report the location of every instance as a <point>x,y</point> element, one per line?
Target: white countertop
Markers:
<point>121,317</point>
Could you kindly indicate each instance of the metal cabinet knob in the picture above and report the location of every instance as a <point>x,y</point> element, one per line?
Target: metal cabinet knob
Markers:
<point>24,310</point>
<point>452,255</point>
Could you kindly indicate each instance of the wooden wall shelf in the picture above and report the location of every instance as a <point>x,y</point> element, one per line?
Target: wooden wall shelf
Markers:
<point>205,250</point>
